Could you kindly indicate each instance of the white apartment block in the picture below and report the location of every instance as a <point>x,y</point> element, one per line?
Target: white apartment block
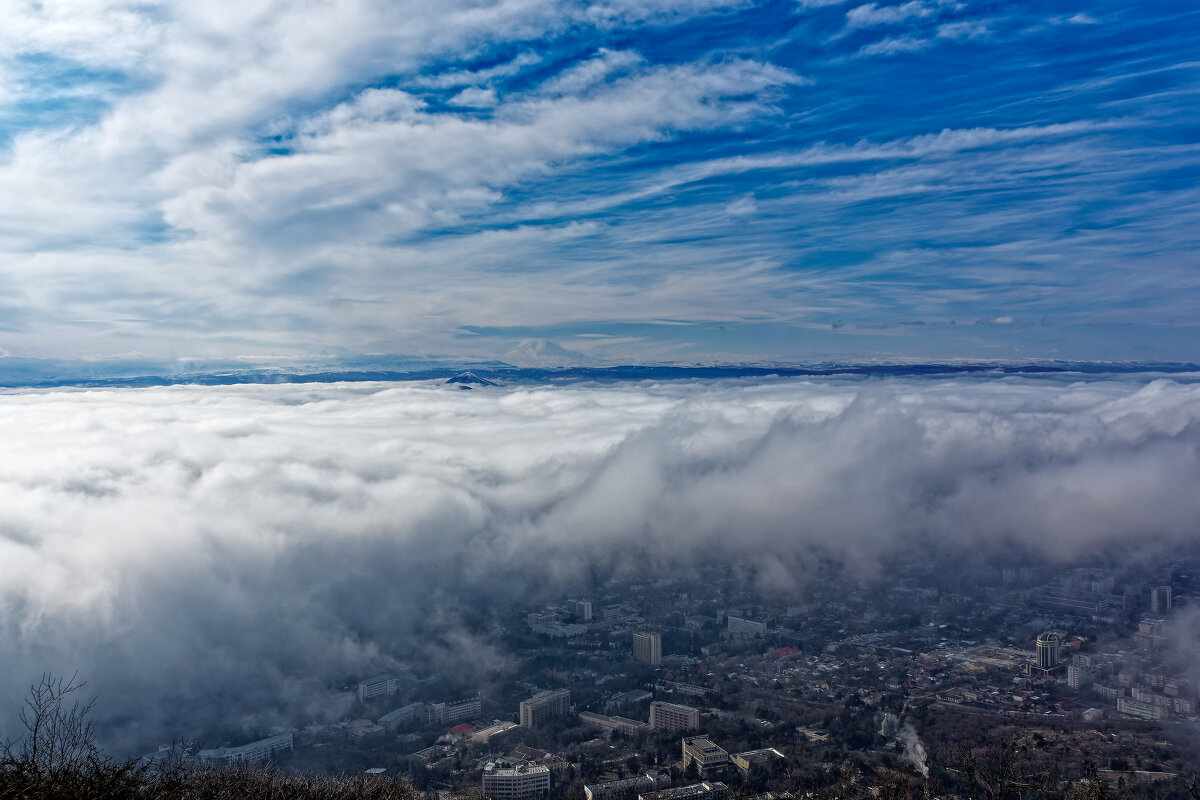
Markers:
<point>544,706</point>
<point>697,791</point>
<point>627,726</point>
<point>708,757</point>
<point>673,717</point>
<point>251,753</point>
<point>507,780</point>
<point>453,711</point>
<point>378,686</point>
<point>646,782</point>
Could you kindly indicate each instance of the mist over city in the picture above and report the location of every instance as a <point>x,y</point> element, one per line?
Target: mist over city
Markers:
<point>228,556</point>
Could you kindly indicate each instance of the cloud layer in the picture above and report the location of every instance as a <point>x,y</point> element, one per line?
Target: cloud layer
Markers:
<point>326,179</point>
<point>222,556</point>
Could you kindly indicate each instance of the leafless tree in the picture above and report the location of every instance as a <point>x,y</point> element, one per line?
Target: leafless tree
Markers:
<point>57,755</point>
<point>57,734</point>
<point>1193,787</point>
<point>997,771</point>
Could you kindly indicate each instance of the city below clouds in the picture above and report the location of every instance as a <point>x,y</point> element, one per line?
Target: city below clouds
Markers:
<point>636,180</point>
<point>217,558</point>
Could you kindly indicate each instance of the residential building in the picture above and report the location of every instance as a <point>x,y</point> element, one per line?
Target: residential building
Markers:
<point>631,698</point>
<point>251,753</point>
<point>673,717</point>
<point>625,725</point>
<point>708,757</point>
<point>741,626</point>
<point>538,618</point>
<point>544,706</point>
<point>1079,603</point>
<point>394,720</point>
<point>379,686</point>
<point>358,729</point>
<point>646,782</point>
<point>647,647</point>
<point>1135,708</point>
<point>697,791</point>
<point>582,609</point>
<point>1160,599</point>
<point>461,710</point>
<point>560,630</point>
<point>758,762</point>
<point>1150,633</point>
<point>520,780</point>
<point>672,687</point>
<point>484,736</point>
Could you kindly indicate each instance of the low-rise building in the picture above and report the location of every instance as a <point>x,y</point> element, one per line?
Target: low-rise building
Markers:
<point>487,734</point>
<point>560,630</point>
<point>1140,710</point>
<point>697,791</point>
<point>766,761</point>
<point>359,729</point>
<point>452,711</point>
<point>251,753</point>
<point>379,686</point>
<point>625,725</point>
<point>520,780</point>
<point>741,626</point>
<point>405,715</point>
<point>646,782</point>
<point>708,757</point>
<point>630,698</point>
<point>1135,708</point>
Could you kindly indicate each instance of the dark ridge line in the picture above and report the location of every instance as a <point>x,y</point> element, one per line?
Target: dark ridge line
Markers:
<point>617,373</point>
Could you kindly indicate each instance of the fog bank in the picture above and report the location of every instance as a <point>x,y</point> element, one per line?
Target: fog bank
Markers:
<point>222,555</point>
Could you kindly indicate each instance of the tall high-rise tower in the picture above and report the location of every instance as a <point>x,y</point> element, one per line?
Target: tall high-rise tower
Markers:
<point>647,647</point>
<point>1047,649</point>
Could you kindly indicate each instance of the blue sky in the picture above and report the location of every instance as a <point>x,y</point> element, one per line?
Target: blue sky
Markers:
<point>632,180</point>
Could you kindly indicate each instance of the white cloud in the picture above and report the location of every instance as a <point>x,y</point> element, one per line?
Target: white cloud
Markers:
<point>454,77</point>
<point>473,97</point>
<point>967,29</point>
<point>895,45</point>
<point>367,172</point>
<point>209,78</point>
<point>873,14</point>
<point>593,72</point>
<point>743,206</point>
<point>240,155</point>
<point>258,543</point>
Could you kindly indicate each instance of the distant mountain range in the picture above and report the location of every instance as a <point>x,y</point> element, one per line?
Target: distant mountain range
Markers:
<point>468,379</point>
<point>44,373</point>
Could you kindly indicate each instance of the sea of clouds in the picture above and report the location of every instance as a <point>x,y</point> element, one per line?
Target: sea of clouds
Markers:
<point>227,556</point>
